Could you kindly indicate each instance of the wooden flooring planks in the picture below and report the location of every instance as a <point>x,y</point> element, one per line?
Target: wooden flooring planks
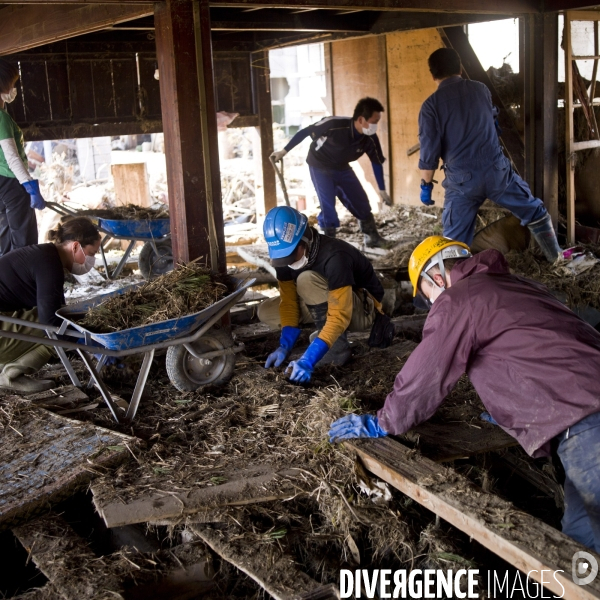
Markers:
<point>258,486</point>
<point>45,457</point>
<point>443,442</point>
<point>522,540</point>
<point>276,572</point>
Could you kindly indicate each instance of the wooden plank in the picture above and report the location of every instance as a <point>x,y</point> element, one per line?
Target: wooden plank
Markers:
<point>527,543</point>
<point>78,129</point>
<point>569,131</point>
<point>278,575</point>
<point>257,254</point>
<point>262,86</point>
<point>44,457</point>
<point>131,184</point>
<point>258,485</point>
<point>27,26</point>
<point>444,442</point>
<point>59,553</point>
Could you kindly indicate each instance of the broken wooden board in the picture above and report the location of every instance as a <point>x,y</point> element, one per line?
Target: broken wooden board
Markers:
<point>256,254</point>
<point>45,457</point>
<point>76,573</point>
<point>443,442</point>
<point>258,485</point>
<point>62,556</point>
<point>527,543</point>
<point>405,324</point>
<point>254,331</point>
<point>277,573</point>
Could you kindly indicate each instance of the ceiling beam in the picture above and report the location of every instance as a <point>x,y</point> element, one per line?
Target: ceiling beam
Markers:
<point>23,27</point>
<point>560,5</point>
<point>223,19</point>
<point>401,21</point>
<point>511,7</point>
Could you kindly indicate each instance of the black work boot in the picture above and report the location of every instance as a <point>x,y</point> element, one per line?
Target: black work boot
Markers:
<point>340,352</point>
<point>372,237</point>
<point>329,231</point>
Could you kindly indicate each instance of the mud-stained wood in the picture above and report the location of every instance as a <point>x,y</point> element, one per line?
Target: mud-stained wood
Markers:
<point>45,457</point>
<point>23,27</point>
<point>259,485</point>
<point>443,442</point>
<point>57,551</point>
<point>131,184</point>
<point>277,573</point>
<point>527,543</point>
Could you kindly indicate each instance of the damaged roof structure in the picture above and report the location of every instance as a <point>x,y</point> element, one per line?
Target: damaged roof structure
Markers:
<point>114,67</point>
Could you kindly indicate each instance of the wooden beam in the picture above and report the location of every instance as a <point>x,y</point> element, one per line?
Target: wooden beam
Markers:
<point>40,132</point>
<point>527,543</point>
<point>228,19</point>
<point>23,27</point>
<point>540,75</point>
<point>262,82</point>
<point>510,136</point>
<point>190,175</point>
<point>210,138</point>
<point>508,6</point>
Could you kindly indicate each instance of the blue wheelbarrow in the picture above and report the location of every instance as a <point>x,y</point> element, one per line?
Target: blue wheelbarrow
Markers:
<point>198,352</point>
<point>156,256</point>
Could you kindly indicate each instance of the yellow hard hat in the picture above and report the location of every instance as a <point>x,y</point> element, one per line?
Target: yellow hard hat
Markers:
<point>433,247</point>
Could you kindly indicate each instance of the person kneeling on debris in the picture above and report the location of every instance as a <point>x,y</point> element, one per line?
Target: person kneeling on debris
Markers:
<point>533,362</point>
<point>31,288</point>
<point>317,277</point>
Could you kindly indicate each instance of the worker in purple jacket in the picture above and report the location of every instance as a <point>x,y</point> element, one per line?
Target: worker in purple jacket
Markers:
<point>533,362</point>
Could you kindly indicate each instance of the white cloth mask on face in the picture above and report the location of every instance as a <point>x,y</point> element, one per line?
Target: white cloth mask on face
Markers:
<point>371,129</point>
<point>299,263</point>
<point>8,98</point>
<point>86,267</point>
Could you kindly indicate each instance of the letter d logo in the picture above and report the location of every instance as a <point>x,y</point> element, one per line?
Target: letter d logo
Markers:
<point>582,561</point>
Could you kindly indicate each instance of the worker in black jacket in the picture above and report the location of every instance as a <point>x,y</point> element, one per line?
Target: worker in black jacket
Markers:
<point>31,288</point>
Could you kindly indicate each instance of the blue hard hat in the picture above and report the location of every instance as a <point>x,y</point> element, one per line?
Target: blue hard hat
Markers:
<point>283,229</point>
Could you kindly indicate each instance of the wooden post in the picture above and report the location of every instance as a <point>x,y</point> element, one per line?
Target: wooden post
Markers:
<point>540,64</point>
<point>191,146</point>
<point>262,86</point>
<point>569,135</point>
<point>131,184</point>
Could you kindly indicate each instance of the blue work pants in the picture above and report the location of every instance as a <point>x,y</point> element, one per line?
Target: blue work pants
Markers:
<point>330,183</point>
<point>579,452</point>
<point>467,188</point>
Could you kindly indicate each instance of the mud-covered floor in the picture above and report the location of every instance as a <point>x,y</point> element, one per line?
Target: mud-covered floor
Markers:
<point>200,439</point>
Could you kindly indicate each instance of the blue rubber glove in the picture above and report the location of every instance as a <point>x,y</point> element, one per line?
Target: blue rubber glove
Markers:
<point>426,190</point>
<point>355,426</point>
<point>33,189</point>
<point>485,416</point>
<point>289,337</point>
<point>302,369</point>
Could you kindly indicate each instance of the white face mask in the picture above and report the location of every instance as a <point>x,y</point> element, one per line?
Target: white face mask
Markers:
<point>371,130</point>
<point>86,267</point>
<point>8,98</point>
<point>299,263</point>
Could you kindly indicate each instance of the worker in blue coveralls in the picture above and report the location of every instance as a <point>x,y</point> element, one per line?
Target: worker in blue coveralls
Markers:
<point>337,141</point>
<point>457,123</point>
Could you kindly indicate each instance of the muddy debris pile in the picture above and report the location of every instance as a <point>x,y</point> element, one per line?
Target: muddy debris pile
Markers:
<point>184,291</point>
<point>129,212</point>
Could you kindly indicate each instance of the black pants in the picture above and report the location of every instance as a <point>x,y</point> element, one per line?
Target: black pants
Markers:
<point>18,225</point>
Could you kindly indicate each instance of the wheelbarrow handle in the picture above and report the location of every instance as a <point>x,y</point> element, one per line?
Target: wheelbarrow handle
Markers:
<point>61,209</point>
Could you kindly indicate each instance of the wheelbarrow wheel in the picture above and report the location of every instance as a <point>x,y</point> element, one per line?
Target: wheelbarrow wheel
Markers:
<point>152,264</point>
<point>188,373</point>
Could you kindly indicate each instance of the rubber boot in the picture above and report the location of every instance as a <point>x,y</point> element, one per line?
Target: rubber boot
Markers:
<point>545,236</point>
<point>13,376</point>
<point>340,352</point>
<point>329,231</point>
<point>372,237</point>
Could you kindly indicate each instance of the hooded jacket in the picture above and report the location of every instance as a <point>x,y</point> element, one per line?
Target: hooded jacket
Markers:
<point>533,362</point>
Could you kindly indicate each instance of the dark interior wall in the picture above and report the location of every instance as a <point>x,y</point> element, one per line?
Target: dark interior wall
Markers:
<point>92,88</point>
